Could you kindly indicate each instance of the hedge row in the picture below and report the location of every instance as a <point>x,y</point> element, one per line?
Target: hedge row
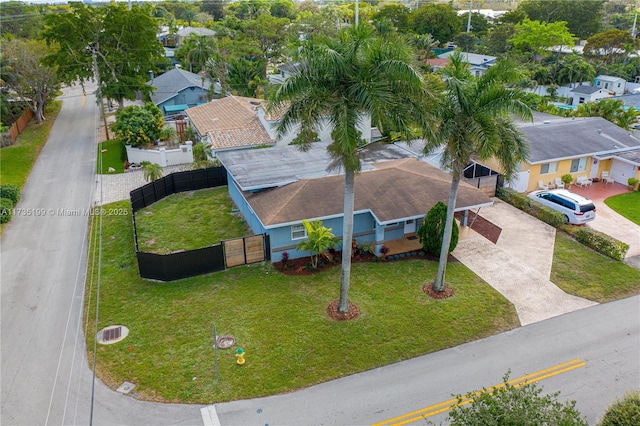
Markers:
<point>598,241</point>
<point>9,197</point>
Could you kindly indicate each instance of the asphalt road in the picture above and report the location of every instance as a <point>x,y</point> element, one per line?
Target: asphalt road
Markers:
<point>45,378</point>
<point>44,372</point>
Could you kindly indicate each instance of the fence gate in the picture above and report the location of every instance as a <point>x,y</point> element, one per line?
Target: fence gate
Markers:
<point>241,251</point>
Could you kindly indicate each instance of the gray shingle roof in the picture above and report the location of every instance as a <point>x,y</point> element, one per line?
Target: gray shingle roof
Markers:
<point>587,90</point>
<point>172,82</point>
<point>393,191</point>
<point>574,138</point>
<point>281,165</point>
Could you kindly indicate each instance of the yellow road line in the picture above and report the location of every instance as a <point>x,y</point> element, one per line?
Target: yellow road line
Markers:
<point>447,405</point>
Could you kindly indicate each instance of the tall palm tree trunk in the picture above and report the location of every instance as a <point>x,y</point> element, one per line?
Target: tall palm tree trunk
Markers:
<point>438,284</point>
<point>347,236</point>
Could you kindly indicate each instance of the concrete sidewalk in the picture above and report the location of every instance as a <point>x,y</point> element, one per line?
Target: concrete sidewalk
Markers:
<point>116,187</point>
<point>519,265</point>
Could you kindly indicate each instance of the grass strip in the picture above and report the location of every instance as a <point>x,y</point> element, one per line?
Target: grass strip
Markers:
<point>583,272</point>
<point>109,151</point>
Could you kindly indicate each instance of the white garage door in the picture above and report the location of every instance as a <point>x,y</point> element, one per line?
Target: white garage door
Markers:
<point>620,171</point>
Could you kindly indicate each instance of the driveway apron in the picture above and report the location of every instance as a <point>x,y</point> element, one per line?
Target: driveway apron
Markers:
<point>519,264</point>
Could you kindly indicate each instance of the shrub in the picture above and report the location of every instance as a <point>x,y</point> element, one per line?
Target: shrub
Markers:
<point>431,232</point>
<point>6,210</point>
<point>10,191</point>
<point>285,260</point>
<point>602,243</point>
<point>623,412</point>
<point>566,179</point>
<point>514,405</point>
<point>151,171</point>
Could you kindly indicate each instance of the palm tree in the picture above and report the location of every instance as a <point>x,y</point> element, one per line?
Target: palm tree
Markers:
<point>475,122</point>
<point>337,83</point>
<point>151,172</point>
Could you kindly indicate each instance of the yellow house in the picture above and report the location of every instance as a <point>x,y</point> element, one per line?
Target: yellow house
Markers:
<point>578,147</point>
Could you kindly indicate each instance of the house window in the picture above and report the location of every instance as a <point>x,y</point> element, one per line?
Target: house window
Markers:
<point>579,165</point>
<point>547,168</point>
<point>581,100</point>
<point>298,232</point>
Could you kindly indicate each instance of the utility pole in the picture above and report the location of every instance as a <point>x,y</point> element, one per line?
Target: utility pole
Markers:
<point>356,13</point>
<point>633,30</point>
<point>469,17</point>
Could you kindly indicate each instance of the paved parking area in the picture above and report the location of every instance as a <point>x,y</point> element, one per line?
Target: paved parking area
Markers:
<point>116,187</point>
<point>610,222</point>
<point>519,264</point>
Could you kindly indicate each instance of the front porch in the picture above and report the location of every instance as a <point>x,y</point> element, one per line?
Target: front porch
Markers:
<point>410,243</point>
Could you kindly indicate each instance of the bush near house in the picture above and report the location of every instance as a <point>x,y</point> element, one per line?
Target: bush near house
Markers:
<point>602,243</point>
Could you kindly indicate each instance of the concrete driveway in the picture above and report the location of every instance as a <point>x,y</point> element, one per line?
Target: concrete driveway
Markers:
<point>610,222</point>
<point>519,264</point>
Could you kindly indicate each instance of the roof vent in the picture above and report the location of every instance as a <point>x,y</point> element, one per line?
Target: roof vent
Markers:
<point>546,122</point>
<point>599,131</point>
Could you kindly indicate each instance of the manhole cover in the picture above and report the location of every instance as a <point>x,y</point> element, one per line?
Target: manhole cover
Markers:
<point>225,342</point>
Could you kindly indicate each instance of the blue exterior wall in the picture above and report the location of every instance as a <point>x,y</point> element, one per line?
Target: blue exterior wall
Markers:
<point>187,97</point>
<point>365,229</point>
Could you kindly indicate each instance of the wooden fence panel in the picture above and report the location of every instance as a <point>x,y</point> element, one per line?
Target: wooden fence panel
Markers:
<point>234,252</point>
<point>254,248</point>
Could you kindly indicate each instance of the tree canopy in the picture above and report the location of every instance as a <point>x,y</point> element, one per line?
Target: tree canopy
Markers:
<point>538,36</point>
<point>34,82</point>
<point>609,45</point>
<point>582,20</point>
<point>123,41</point>
<point>439,20</point>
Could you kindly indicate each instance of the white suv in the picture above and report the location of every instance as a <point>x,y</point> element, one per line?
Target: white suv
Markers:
<point>576,208</point>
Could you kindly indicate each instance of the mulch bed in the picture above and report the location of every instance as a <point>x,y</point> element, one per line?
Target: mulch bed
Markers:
<point>482,226</point>
<point>352,313</point>
<point>448,291</point>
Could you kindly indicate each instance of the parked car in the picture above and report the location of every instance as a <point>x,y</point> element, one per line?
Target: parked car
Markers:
<point>576,208</point>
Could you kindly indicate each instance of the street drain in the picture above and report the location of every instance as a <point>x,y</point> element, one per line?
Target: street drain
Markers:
<point>112,334</point>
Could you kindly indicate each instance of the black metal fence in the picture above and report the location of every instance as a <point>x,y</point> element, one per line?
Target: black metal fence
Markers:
<point>175,266</point>
<point>189,180</point>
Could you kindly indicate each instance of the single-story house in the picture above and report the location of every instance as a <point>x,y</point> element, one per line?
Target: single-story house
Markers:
<point>231,122</point>
<point>582,94</point>
<point>276,188</point>
<point>614,85</point>
<point>177,89</point>
<point>479,64</point>
<point>577,146</point>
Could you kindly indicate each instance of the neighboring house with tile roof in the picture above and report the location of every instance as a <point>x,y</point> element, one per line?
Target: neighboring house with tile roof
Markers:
<point>577,146</point>
<point>582,94</point>
<point>229,123</point>
<point>238,122</point>
<point>276,188</point>
<point>177,89</point>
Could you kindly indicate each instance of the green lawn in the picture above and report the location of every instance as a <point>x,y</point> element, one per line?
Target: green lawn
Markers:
<point>279,321</point>
<point>17,160</point>
<point>585,273</point>
<point>628,205</point>
<point>109,156</point>
<point>187,221</point>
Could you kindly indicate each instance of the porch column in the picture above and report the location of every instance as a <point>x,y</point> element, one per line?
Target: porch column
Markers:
<point>379,237</point>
